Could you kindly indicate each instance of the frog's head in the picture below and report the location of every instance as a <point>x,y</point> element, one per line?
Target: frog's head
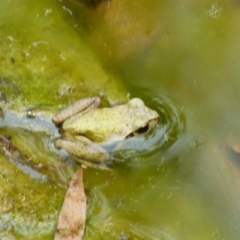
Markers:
<point>141,118</point>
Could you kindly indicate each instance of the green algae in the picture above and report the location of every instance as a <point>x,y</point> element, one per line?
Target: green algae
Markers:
<point>44,54</point>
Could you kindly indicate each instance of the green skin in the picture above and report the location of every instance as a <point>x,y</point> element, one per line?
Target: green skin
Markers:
<point>86,128</point>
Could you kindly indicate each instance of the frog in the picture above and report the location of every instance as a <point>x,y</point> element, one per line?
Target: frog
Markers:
<point>86,129</point>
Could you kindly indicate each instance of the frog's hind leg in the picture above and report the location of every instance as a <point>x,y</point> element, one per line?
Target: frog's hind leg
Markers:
<point>85,151</point>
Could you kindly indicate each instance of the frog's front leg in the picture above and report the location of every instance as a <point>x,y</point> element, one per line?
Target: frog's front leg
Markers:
<point>83,105</point>
<point>85,151</point>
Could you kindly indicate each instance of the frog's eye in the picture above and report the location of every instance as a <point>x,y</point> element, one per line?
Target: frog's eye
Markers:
<point>130,135</point>
<point>143,129</point>
<point>139,132</point>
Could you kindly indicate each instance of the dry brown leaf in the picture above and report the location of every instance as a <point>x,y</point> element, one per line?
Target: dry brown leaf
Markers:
<point>71,222</point>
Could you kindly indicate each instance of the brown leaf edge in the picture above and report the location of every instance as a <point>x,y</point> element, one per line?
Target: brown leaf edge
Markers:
<point>71,222</point>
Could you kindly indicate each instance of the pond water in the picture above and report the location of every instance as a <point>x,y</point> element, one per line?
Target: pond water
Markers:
<point>182,58</point>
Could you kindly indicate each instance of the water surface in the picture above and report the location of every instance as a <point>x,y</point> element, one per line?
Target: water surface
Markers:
<point>181,58</point>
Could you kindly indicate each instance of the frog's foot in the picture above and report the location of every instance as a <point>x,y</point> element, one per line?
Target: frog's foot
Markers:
<point>83,105</point>
<point>91,164</point>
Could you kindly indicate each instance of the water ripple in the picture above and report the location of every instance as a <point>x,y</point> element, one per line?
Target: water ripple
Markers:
<point>168,131</point>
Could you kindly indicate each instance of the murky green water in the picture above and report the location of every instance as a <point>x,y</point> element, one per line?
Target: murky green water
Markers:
<point>182,58</point>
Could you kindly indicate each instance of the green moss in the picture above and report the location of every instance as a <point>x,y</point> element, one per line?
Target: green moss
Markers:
<point>42,52</point>
<point>28,206</point>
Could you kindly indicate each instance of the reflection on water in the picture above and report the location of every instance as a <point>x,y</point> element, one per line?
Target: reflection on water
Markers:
<point>188,188</point>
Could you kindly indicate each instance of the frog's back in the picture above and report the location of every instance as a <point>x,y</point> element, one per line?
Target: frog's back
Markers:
<point>110,124</point>
<point>98,125</point>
